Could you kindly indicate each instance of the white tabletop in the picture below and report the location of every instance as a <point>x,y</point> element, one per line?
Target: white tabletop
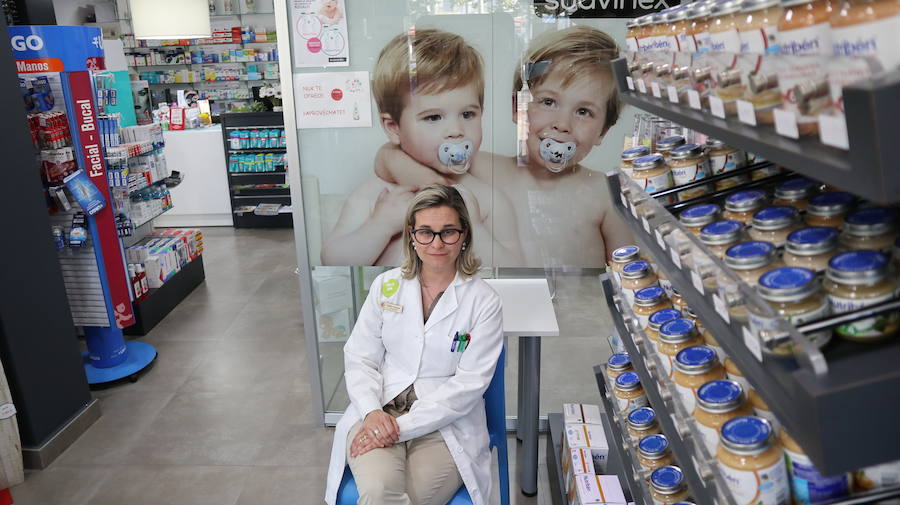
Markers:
<point>527,307</point>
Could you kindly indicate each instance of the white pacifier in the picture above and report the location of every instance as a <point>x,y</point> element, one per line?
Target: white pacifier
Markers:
<point>455,156</point>
<point>557,154</point>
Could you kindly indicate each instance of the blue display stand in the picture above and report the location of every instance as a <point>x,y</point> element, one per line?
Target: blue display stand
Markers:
<point>137,357</point>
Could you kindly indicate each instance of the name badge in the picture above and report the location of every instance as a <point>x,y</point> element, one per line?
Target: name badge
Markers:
<point>391,307</point>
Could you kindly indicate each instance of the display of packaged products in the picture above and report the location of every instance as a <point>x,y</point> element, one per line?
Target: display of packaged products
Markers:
<point>273,138</point>
<point>260,162</point>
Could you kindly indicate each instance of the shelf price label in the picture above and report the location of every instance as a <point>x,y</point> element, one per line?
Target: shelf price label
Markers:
<point>646,224</point>
<point>673,94</point>
<point>721,308</point>
<point>630,82</point>
<point>746,112</point>
<point>833,131</point>
<point>717,106</point>
<point>694,99</point>
<point>654,86</point>
<point>676,258</point>
<point>633,210</point>
<point>624,200</point>
<point>642,87</point>
<point>786,123</point>
<point>697,281</point>
<point>659,239</point>
<point>752,343</point>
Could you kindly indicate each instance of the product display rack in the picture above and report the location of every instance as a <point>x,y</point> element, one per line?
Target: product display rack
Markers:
<point>554,449</point>
<point>245,196</point>
<point>868,169</point>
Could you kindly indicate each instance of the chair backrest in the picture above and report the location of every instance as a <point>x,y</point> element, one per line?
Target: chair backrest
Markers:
<point>495,403</point>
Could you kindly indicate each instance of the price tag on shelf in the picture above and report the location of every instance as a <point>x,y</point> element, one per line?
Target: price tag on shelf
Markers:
<point>659,239</point>
<point>642,87</point>
<point>676,258</point>
<point>693,99</point>
<point>654,86</point>
<point>675,422</point>
<point>786,123</point>
<point>833,131</point>
<point>717,106</point>
<point>721,308</point>
<point>624,200</point>
<point>673,94</point>
<point>752,343</point>
<point>633,210</point>
<point>630,82</point>
<point>697,281</point>
<point>746,112</point>
<point>646,224</point>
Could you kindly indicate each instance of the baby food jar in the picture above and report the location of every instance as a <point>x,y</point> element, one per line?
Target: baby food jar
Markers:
<point>694,367</point>
<point>644,32</point>
<point>648,301</point>
<point>665,146</point>
<point>761,409</point>
<point>878,476</point>
<point>796,296</point>
<point>677,300</point>
<point>673,337</point>
<point>724,38</point>
<point>858,279</point>
<point>629,155</point>
<point>689,163</point>
<point>718,401</point>
<point>629,393</point>
<point>795,192</point>
<point>631,35</point>
<point>651,173</point>
<point>641,423</point>
<point>719,236</point>
<point>635,276</point>
<point>734,373</point>
<point>654,452</point>
<point>808,485</point>
<point>710,340</point>
<point>811,247</point>
<point>872,228</point>
<point>752,462</point>
<point>774,224</point>
<point>741,206</point>
<point>758,29</point>
<point>751,259</point>
<point>621,257</point>
<point>695,217</point>
<point>617,364</point>
<point>874,22</point>
<point>722,159</point>
<point>656,320</point>
<point>829,209</point>
<point>689,314</point>
<point>664,282</point>
<point>667,486</point>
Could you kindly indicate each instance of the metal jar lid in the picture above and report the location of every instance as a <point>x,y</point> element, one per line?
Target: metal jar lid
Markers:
<point>795,189</point>
<point>654,446</point>
<point>755,5</point>
<point>661,317</point>
<point>645,20</point>
<point>696,359</point>
<point>676,14</point>
<point>721,232</point>
<point>812,241</point>
<point>744,201</point>
<point>749,255</point>
<point>787,284</point>
<point>649,296</point>
<point>648,162</point>
<point>870,222</point>
<point>776,217</point>
<point>619,361</point>
<point>835,203</point>
<point>669,143</point>
<point>667,480</point>
<point>715,143</point>
<point>699,215</point>
<point>747,435</point>
<point>858,267</point>
<point>628,381</point>
<point>635,152</point>
<point>677,331</point>
<point>698,10</point>
<point>626,254</point>
<point>636,270</point>
<point>723,7</point>
<point>720,396</point>
<point>643,418</point>
<point>686,151</point>
<point>631,23</point>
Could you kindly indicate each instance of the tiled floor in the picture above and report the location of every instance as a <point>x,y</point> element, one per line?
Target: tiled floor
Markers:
<point>224,416</point>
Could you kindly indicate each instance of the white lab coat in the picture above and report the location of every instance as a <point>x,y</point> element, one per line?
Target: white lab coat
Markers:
<point>389,350</point>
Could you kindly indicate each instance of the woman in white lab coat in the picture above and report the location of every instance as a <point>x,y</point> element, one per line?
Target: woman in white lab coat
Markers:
<point>417,363</point>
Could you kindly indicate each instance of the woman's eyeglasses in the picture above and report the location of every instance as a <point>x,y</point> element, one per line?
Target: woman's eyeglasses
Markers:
<point>449,236</point>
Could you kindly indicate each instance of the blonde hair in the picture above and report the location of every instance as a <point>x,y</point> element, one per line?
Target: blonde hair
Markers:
<point>438,196</point>
<point>573,51</point>
<point>425,61</point>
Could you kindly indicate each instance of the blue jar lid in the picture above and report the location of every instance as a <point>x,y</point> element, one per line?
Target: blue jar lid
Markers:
<point>636,269</point>
<point>628,381</point>
<point>743,201</point>
<point>787,284</point>
<point>668,143</point>
<point>667,479</point>
<point>619,361</point>
<point>661,317</point>
<point>812,240</point>
<point>799,187</point>
<point>830,204</point>
<point>858,267</point>
<point>746,434</point>
<point>699,214</point>
<point>653,446</point>
<point>720,396</point>
<point>626,253</point>
<point>677,331</point>
<point>642,417</point>
<point>870,221</point>
<point>696,359</point>
<point>648,162</point>
<point>749,255</point>
<point>635,152</point>
<point>649,296</point>
<point>721,232</point>
<point>775,217</point>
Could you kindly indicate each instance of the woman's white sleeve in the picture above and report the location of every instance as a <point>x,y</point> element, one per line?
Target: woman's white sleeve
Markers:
<point>364,356</point>
<point>461,393</point>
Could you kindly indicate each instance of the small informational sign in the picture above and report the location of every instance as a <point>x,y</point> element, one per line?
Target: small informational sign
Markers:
<point>320,33</point>
<point>333,100</point>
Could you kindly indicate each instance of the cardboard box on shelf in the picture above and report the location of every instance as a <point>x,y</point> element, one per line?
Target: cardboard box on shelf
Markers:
<point>580,462</point>
<point>587,436</point>
<point>598,490</point>
<point>581,413</point>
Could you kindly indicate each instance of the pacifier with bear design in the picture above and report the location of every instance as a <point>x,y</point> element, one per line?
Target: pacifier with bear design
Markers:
<point>556,154</point>
<point>455,156</point>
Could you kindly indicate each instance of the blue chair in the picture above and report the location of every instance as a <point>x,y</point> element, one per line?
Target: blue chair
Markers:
<point>495,409</point>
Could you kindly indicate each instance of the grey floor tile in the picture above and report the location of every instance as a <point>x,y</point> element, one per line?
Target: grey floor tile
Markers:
<point>207,321</point>
<point>181,485</point>
<point>250,368</point>
<point>175,363</point>
<point>60,485</point>
<point>282,485</point>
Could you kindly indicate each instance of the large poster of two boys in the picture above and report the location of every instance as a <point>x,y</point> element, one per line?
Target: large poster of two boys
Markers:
<point>515,109</point>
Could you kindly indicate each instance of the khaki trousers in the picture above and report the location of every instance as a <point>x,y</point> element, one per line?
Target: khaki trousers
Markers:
<point>417,472</point>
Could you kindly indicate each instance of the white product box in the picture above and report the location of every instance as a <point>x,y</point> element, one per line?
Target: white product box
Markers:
<point>581,413</point>
<point>598,490</point>
<point>580,462</point>
<point>587,436</point>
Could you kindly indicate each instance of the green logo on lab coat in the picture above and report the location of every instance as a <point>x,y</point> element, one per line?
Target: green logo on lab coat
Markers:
<point>389,287</point>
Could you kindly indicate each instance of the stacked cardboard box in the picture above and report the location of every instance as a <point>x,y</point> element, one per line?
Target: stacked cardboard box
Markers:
<point>584,456</point>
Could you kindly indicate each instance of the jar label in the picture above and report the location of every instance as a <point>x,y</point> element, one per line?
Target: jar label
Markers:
<point>766,486</point>
<point>631,44</point>
<point>654,183</point>
<point>721,163</point>
<point>877,39</point>
<point>877,476</point>
<point>667,364</point>
<point>760,40</point>
<point>725,42</point>
<point>666,284</point>
<point>809,485</point>
<point>690,173</point>
<point>870,327</point>
<point>795,70</point>
<point>703,42</point>
<point>761,323</point>
<point>710,438</point>
<point>844,72</point>
<point>686,43</point>
<point>686,395</point>
<point>643,321</point>
<point>627,405</point>
<point>807,41</point>
<point>671,43</point>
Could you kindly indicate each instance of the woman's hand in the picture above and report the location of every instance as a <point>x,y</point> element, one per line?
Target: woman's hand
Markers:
<point>379,429</point>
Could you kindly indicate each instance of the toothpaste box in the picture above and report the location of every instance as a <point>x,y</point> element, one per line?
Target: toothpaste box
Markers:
<point>598,490</point>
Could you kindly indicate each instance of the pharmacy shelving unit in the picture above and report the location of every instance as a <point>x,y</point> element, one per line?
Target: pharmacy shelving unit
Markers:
<point>241,197</point>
